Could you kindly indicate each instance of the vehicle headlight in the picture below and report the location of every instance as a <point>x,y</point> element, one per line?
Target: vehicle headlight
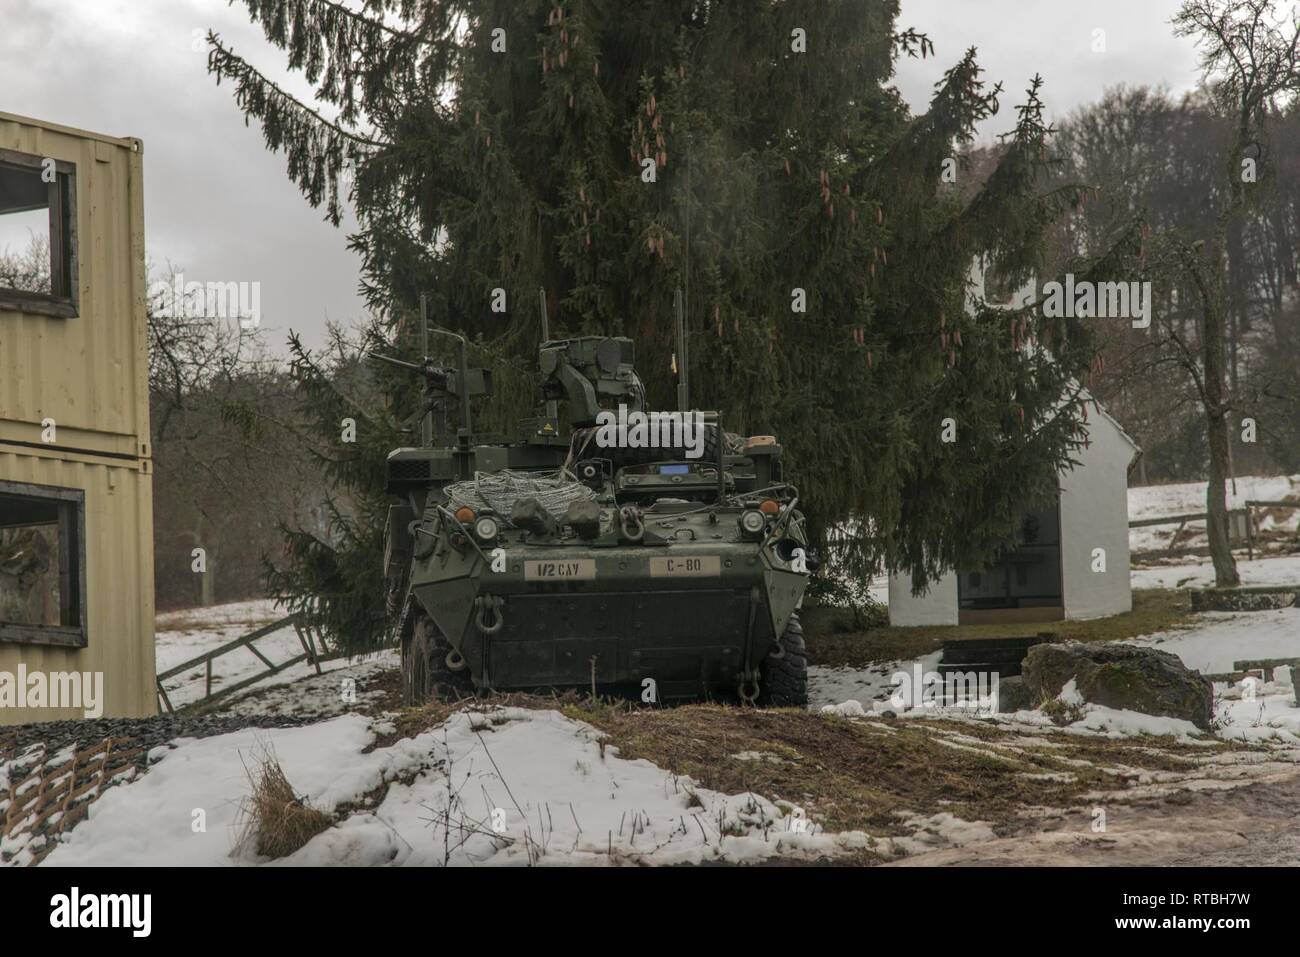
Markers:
<point>752,522</point>
<point>486,529</point>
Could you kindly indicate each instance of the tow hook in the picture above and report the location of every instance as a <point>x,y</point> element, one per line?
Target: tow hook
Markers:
<point>490,617</point>
<point>630,525</point>
<point>749,689</point>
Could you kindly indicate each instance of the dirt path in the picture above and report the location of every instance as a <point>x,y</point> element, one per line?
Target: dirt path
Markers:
<point>1257,824</point>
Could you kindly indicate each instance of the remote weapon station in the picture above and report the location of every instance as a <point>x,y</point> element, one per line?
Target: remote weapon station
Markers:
<point>598,559</point>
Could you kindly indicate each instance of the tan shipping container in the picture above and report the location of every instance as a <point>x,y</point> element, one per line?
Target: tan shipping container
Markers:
<point>76,521</point>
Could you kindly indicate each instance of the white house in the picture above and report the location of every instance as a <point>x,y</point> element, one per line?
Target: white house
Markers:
<point>1072,558</point>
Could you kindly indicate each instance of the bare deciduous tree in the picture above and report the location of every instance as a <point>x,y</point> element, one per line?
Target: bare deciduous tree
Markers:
<point>1249,56</point>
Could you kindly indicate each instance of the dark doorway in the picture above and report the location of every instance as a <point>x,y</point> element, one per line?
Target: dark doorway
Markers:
<point>1024,582</point>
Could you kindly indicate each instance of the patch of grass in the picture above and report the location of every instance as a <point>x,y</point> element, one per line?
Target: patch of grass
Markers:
<point>1147,753</point>
<point>1061,712</point>
<point>829,643</point>
<point>277,821</point>
<point>847,774</point>
<point>409,722</point>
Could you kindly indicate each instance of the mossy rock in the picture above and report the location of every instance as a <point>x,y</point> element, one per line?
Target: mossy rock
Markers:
<point>1127,677</point>
<point>1014,695</point>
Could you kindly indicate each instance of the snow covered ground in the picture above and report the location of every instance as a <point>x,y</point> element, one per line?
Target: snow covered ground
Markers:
<point>343,686</point>
<point>514,786</point>
<point>517,786</point>
<point>1221,638</point>
<point>831,686</point>
<point>1250,710</point>
<point>489,786</point>
<point>1276,570</point>
<point>1152,501</point>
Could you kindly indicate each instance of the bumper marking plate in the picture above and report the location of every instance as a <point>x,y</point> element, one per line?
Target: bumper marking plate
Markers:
<point>686,566</point>
<point>552,570</point>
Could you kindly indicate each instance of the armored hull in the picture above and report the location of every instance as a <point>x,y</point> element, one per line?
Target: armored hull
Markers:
<point>607,568</point>
<point>694,610</point>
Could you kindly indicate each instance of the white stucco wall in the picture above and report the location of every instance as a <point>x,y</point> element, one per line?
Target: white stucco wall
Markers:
<point>937,606</point>
<point>1094,514</point>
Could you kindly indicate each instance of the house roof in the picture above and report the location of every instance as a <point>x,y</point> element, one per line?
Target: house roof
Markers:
<point>1137,449</point>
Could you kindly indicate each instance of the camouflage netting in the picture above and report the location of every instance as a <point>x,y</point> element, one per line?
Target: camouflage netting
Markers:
<point>500,490</point>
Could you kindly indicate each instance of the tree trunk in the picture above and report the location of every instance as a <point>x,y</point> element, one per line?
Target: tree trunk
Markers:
<point>210,574</point>
<point>209,590</point>
<point>1216,421</point>
<point>1237,298</point>
<point>207,582</point>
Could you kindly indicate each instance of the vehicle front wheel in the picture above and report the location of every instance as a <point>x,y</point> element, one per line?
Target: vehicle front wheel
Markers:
<point>784,680</point>
<point>425,674</point>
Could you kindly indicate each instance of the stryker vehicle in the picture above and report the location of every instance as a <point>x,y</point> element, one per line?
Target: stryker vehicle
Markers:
<point>565,562</point>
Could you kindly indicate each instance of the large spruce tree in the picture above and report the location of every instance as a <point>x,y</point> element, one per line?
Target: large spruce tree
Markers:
<point>751,152</point>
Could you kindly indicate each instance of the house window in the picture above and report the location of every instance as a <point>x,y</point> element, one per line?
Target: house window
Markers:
<point>38,234</point>
<point>42,565</point>
<point>998,289</point>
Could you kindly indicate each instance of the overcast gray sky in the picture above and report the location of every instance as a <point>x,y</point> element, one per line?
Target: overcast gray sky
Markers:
<point>219,207</point>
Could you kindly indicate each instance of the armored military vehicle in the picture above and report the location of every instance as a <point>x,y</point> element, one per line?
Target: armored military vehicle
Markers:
<point>559,561</point>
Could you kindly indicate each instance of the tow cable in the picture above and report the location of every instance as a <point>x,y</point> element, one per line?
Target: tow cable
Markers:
<point>749,677</point>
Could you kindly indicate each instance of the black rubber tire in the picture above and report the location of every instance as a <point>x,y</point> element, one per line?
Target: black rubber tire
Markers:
<point>415,664</point>
<point>783,682</point>
<point>394,594</point>
<point>425,675</point>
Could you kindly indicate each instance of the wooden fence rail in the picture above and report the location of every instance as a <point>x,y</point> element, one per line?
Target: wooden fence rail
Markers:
<point>1167,520</point>
<point>1247,514</point>
<point>306,637</point>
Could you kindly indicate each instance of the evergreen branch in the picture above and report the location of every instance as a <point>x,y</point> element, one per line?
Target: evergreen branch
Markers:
<point>316,148</point>
<point>222,61</point>
<point>345,46</point>
<point>912,43</point>
<point>309,14</point>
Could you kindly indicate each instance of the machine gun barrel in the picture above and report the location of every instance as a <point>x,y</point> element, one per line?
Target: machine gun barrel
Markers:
<point>394,361</point>
<point>437,375</point>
